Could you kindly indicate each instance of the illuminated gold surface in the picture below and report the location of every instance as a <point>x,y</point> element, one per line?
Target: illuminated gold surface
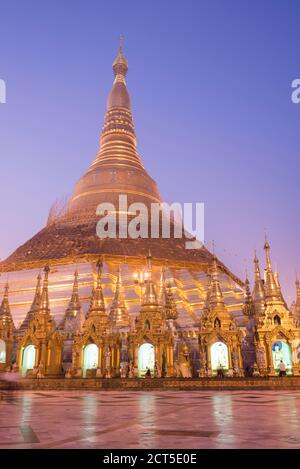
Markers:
<point>182,322</point>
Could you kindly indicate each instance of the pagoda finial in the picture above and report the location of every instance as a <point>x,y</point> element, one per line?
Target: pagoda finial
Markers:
<point>248,309</point>
<point>74,317</point>
<point>258,293</point>
<point>257,276</point>
<point>297,305</point>
<point>213,248</point>
<point>171,310</point>
<point>277,281</point>
<point>162,287</point>
<point>118,312</point>
<point>121,43</point>
<point>5,307</point>
<point>150,296</point>
<point>118,301</point>
<point>272,286</point>
<point>97,300</point>
<point>215,296</point>
<point>74,304</point>
<point>120,65</point>
<point>35,305</point>
<point>267,251</point>
<point>247,283</point>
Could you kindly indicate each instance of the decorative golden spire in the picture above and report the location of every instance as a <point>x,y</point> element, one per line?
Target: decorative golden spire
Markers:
<point>150,296</point>
<point>74,304</point>
<point>162,287</point>
<point>276,277</point>
<point>166,298</point>
<point>209,280</point>
<point>215,313</point>
<point>44,304</point>
<point>249,308</point>
<point>258,290</point>
<point>35,306</point>
<point>297,283</point>
<point>5,307</point>
<point>118,312</point>
<point>120,65</point>
<point>74,317</point>
<point>297,304</point>
<point>268,258</point>
<point>273,293</point>
<point>119,96</point>
<point>170,304</point>
<point>97,305</point>
<point>215,296</point>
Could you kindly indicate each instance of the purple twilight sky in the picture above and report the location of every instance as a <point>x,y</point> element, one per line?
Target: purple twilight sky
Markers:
<point>210,83</point>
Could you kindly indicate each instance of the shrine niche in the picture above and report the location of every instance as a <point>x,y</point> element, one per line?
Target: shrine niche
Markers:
<point>39,351</point>
<point>96,350</point>
<point>277,335</point>
<point>151,344</point>
<point>219,338</point>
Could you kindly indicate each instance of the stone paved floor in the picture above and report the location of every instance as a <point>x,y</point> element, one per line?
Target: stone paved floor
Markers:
<point>159,419</point>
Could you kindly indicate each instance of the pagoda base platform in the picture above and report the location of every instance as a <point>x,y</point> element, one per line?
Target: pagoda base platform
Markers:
<point>176,384</point>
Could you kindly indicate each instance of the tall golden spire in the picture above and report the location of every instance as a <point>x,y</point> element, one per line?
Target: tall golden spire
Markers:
<point>35,306</point>
<point>44,304</point>
<point>170,304</point>
<point>166,298</point>
<point>120,65</point>
<point>117,168</point>
<point>258,290</point>
<point>118,312</point>
<point>150,296</point>
<point>74,317</point>
<point>162,287</point>
<point>297,303</point>
<point>97,305</point>
<point>297,283</point>
<point>276,277</point>
<point>249,308</point>
<point>267,251</point>
<point>5,307</point>
<point>273,293</point>
<point>215,295</point>
<point>74,304</point>
<point>215,313</point>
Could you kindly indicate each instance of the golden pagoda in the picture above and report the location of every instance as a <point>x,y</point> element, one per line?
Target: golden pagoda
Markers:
<point>91,317</point>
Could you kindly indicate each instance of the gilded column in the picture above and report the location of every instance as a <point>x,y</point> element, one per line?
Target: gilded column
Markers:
<point>230,357</point>
<point>118,360</point>
<point>208,358</point>
<point>270,366</point>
